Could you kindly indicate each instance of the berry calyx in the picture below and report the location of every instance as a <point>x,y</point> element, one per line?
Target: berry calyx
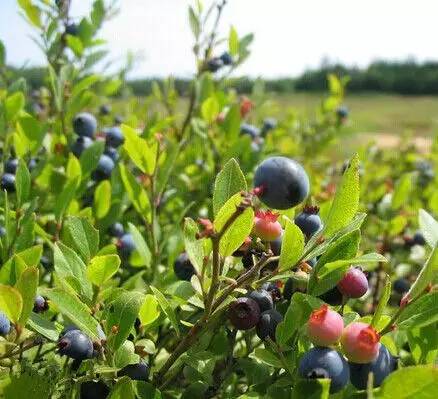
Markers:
<point>354,284</point>
<point>360,342</point>
<point>266,225</point>
<point>244,313</point>
<point>325,326</point>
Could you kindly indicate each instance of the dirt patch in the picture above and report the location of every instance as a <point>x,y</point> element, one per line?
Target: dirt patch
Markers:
<point>390,141</point>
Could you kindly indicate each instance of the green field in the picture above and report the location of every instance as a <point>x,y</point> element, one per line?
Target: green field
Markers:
<point>378,113</point>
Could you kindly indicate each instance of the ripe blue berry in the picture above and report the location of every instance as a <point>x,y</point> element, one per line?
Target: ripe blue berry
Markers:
<point>118,120</point>
<point>418,239</point>
<point>183,268</point>
<point>244,313</point>
<point>282,182</point>
<point>85,124</point>
<point>126,245</point>
<point>269,124</point>
<point>5,325</point>
<point>104,168</point>
<point>33,163</point>
<point>401,286</point>
<point>226,58</point>
<point>81,144</point>
<point>112,153</point>
<point>40,305</point>
<point>263,299</point>
<point>269,320</point>
<point>2,231</point>
<point>249,130</point>
<point>46,262</point>
<point>138,372</point>
<point>214,64</point>
<point>342,112</point>
<point>94,390</point>
<point>11,165</point>
<point>114,137</point>
<point>105,109</point>
<point>72,29</point>
<point>309,221</point>
<point>8,182</point>
<point>116,229</point>
<point>76,345</point>
<point>325,363</point>
<point>381,367</point>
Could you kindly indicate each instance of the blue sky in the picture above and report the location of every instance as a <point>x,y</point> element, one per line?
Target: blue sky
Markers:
<point>290,35</point>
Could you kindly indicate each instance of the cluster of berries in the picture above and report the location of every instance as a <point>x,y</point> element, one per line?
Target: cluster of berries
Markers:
<point>256,134</point>
<point>360,345</point>
<point>125,241</point>
<point>216,63</point>
<point>10,169</point>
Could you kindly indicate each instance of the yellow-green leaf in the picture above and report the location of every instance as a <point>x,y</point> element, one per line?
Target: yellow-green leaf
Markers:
<point>102,268</point>
<point>11,302</point>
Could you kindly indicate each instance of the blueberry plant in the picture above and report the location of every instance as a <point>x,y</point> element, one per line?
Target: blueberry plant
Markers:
<point>195,247</point>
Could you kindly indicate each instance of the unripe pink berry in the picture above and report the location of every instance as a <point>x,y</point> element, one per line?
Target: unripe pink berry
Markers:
<point>266,226</point>
<point>325,326</point>
<point>354,284</point>
<point>360,342</point>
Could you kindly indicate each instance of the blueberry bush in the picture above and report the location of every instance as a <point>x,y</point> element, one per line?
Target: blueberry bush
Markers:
<point>195,247</point>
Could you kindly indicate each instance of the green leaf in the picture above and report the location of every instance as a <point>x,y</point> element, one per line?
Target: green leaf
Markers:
<point>75,44</point>
<point>146,390</point>
<point>123,389</point>
<point>81,235</point>
<point>31,132</point>
<point>43,326</point>
<point>126,355</point>
<point>70,306</point>
<point>210,109</point>
<point>233,42</point>
<point>231,124</point>
<point>297,314</point>
<point>22,183</point>
<point>292,246</point>
<point>69,265</point>
<point>425,276</point>
<point>27,286</point>
<point>90,157</point>
<point>30,383</point>
<point>331,273</point>
<point>141,153</point>
<point>11,302</point>
<point>420,313</point>
<point>229,181</point>
<point>102,268</point>
<point>429,227</point>
<point>149,310</point>
<point>2,54</point>
<point>419,382</point>
<point>166,308</point>
<point>383,301</point>
<point>401,192</point>
<point>267,357</point>
<point>140,245</point>
<point>14,104</point>
<point>73,169</point>
<point>11,271</point>
<point>31,11</point>
<point>102,199</point>
<point>195,24</point>
<point>193,246</point>
<point>423,343</point>
<point>122,313</point>
<point>65,198</point>
<point>136,193</point>
<point>346,201</point>
<point>235,235</point>
<point>312,389</point>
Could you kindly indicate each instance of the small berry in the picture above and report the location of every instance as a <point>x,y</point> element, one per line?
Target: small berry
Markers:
<point>250,130</point>
<point>183,268</point>
<point>80,145</point>
<point>418,239</point>
<point>104,168</point>
<point>309,221</point>
<point>244,313</point>
<point>94,390</point>
<point>226,58</point>
<point>325,363</point>
<point>126,245</point>
<point>40,305</point>
<point>33,163</point>
<point>105,109</point>
<point>325,326</point>
<point>76,345</point>
<point>332,297</point>
<point>266,225</point>
<point>342,112</point>
<point>116,229</point>
<point>268,124</point>
<point>8,182</point>
<point>263,299</point>
<point>245,106</point>
<point>360,342</point>
<point>354,284</point>
<point>85,124</point>
<point>114,137</point>
<point>248,260</point>
<point>118,120</point>
<point>5,325</point>
<point>46,262</point>
<point>381,367</point>
<point>283,183</point>
<point>11,165</point>
<point>2,231</point>
<point>269,320</point>
<point>274,289</point>
<point>72,29</point>
<point>401,286</point>
<point>296,284</point>
<point>137,372</point>
<point>214,64</point>
<point>112,153</point>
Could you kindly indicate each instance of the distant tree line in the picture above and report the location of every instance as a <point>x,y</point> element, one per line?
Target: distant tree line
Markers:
<point>406,77</point>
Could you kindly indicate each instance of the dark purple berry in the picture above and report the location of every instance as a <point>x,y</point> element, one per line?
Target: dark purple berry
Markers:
<point>354,284</point>
<point>273,289</point>
<point>94,390</point>
<point>269,320</point>
<point>183,268</point>
<point>263,299</point>
<point>244,313</point>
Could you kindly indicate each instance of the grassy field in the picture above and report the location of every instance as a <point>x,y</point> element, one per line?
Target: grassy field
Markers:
<point>379,113</point>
